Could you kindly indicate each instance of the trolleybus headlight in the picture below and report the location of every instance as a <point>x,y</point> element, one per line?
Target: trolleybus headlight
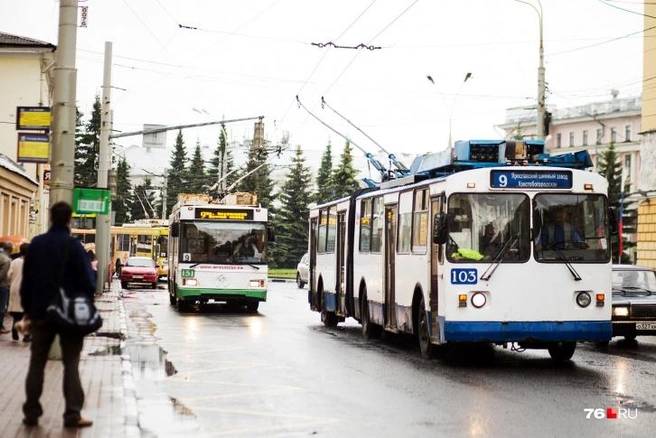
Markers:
<point>478,300</point>
<point>620,311</point>
<point>583,299</point>
<point>256,283</point>
<point>189,282</point>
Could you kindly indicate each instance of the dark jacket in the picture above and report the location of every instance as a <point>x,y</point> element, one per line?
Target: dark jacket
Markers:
<point>41,271</point>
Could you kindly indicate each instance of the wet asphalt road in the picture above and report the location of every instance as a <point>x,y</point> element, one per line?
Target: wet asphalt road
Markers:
<point>281,373</point>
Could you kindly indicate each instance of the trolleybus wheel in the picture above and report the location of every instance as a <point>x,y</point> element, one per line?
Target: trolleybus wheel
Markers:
<point>252,306</point>
<point>369,329</point>
<point>562,351</point>
<point>427,348</point>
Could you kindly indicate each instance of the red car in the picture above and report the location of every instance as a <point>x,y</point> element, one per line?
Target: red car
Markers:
<point>139,270</point>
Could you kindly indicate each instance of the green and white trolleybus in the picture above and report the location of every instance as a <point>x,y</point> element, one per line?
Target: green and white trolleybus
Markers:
<point>218,251</point>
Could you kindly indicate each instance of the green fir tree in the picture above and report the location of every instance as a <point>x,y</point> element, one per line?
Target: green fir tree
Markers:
<point>176,181</point>
<point>610,167</point>
<point>144,199</point>
<point>292,216</point>
<point>87,150</point>
<point>345,180</point>
<point>325,189</point>
<point>122,204</point>
<point>197,179</point>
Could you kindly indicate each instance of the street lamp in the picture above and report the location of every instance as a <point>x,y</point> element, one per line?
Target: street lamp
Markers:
<point>453,101</point>
<point>541,83</point>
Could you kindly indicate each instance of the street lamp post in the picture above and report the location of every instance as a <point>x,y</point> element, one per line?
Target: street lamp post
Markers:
<point>541,81</point>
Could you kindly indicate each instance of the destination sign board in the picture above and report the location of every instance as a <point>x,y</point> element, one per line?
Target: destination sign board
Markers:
<point>33,118</point>
<point>33,148</point>
<point>530,179</point>
<point>217,214</point>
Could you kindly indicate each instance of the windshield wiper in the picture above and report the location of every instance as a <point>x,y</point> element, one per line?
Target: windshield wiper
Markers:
<point>195,264</point>
<point>626,289</point>
<point>253,266</point>
<point>496,260</point>
<point>572,271</point>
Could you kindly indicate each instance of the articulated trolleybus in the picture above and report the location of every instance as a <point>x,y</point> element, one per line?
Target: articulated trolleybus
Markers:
<point>493,241</point>
<point>218,251</point>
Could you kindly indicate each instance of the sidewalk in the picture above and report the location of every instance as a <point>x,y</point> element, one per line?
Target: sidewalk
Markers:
<point>106,377</point>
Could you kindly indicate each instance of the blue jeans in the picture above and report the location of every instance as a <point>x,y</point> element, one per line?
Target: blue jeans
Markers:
<point>4,300</point>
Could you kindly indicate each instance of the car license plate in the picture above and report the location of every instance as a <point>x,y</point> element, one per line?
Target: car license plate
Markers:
<point>645,326</point>
<point>138,277</point>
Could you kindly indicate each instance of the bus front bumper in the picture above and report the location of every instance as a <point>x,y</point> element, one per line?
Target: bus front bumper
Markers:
<point>549,331</point>
<point>190,293</point>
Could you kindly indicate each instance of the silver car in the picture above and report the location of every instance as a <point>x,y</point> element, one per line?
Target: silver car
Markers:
<point>634,301</point>
<point>303,271</point>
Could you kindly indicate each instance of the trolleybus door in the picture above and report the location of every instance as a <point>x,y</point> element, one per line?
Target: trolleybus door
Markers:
<point>312,289</point>
<point>340,270</point>
<point>434,263</point>
<point>390,245</point>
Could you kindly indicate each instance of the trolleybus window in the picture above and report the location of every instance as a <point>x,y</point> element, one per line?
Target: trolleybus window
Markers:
<point>420,222</point>
<point>570,227</point>
<point>365,225</point>
<point>223,242</point>
<point>377,224</point>
<point>405,222</point>
<point>485,227</point>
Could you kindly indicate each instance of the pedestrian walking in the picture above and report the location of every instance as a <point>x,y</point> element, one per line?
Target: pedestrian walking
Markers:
<point>15,277</point>
<point>44,271</point>
<point>5,262</point>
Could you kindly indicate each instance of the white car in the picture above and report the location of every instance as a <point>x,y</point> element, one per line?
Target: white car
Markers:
<point>303,271</point>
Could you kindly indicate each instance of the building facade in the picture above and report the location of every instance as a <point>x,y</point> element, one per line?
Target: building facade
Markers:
<point>646,240</point>
<point>26,69</point>
<point>592,127</point>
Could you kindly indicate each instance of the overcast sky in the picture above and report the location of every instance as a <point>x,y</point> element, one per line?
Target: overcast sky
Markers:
<point>249,58</point>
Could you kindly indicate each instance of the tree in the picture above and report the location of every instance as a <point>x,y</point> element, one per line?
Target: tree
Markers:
<point>176,181</point>
<point>87,149</point>
<point>196,172</point>
<point>259,179</point>
<point>144,199</point>
<point>610,167</point>
<point>344,177</point>
<point>122,204</point>
<point>325,189</point>
<point>292,216</point>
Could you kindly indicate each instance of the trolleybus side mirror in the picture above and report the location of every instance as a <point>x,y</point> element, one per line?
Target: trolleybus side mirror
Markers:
<point>271,235</point>
<point>175,229</point>
<point>439,228</point>
<point>612,220</point>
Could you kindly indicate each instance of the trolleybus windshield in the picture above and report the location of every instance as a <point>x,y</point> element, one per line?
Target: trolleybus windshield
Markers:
<point>570,227</point>
<point>222,242</point>
<point>480,225</point>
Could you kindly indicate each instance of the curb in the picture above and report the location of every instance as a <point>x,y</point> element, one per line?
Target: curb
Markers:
<point>131,425</point>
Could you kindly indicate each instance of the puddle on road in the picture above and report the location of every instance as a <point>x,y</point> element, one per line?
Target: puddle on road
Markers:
<point>149,361</point>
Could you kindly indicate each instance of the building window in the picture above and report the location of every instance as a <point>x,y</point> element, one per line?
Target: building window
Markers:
<point>627,173</point>
<point>571,138</point>
<point>559,140</point>
<point>585,138</point>
<point>613,135</point>
<point>627,133</point>
<point>599,136</point>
